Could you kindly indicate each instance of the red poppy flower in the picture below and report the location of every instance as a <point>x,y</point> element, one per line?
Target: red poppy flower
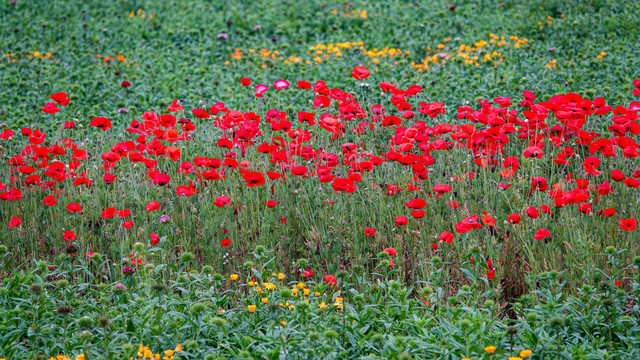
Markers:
<point>127,224</point>
<point>542,234</point>
<point>125,84</point>
<point>608,212</point>
<point>453,204</point>
<point>154,239</point>
<point>447,237</point>
<point>441,189</point>
<point>15,221</point>
<point>391,251</point>
<point>200,113</point>
<point>50,108</point>
<point>416,204</point>
<point>468,224</point>
<point>153,205</point>
<point>101,123</point>
<point>628,224</point>
<point>222,201</point>
<point>330,279</point>
<point>487,219</point>
<point>50,200</point>
<point>245,81</point>
<point>253,178</point>
<point>360,72</point>
<point>74,207</point>
<point>271,203</point>
<point>418,214</point>
<point>108,213</point>
<point>69,235</point>
<point>401,220</point>
<point>60,98</point>
<point>225,242</point>
<point>304,84</point>
<point>369,231</point>
<point>532,212</point>
<point>491,273</point>
<point>514,218</point>
<point>307,273</point>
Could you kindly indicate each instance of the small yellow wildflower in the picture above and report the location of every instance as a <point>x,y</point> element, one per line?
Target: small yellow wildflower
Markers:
<point>234,277</point>
<point>280,276</point>
<point>490,349</point>
<point>322,305</point>
<point>264,300</point>
<point>251,308</point>
<point>525,353</point>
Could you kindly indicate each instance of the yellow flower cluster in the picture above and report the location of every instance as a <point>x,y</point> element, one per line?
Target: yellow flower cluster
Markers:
<point>601,55</point>
<point>523,354</point>
<point>319,53</point>
<point>481,51</point>
<point>144,353</point>
<point>551,64</point>
<point>141,14</point>
<point>329,50</point>
<point>356,13</point>
<point>353,13</point>
<point>109,58</point>
<point>11,57</point>
<point>548,21</point>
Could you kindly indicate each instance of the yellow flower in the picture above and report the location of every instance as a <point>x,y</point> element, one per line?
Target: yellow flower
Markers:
<point>178,348</point>
<point>465,359</point>
<point>291,307</point>
<point>169,352</point>
<point>294,291</point>
<point>490,349</point>
<point>251,308</point>
<point>280,276</point>
<point>234,277</point>
<point>318,293</point>
<point>515,358</point>
<point>250,283</point>
<point>306,292</point>
<point>36,54</point>
<point>284,323</point>
<point>525,353</point>
<point>269,286</point>
<point>264,300</point>
<point>322,305</point>
<point>301,285</point>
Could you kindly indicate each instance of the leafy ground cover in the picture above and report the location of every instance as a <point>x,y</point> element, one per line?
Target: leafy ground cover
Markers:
<point>445,179</point>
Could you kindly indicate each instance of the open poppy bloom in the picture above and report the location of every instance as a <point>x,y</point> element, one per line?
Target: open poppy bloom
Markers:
<point>542,234</point>
<point>360,72</point>
<point>628,224</point>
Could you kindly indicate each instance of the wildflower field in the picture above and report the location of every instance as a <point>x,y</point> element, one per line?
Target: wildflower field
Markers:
<point>439,179</point>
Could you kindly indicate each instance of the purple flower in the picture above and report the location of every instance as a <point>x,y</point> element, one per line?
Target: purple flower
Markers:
<point>119,285</point>
<point>123,110</point>
<point>223,36</point>
<point>550,49</point>
<point>165,218</point>
<point>257,27</point>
